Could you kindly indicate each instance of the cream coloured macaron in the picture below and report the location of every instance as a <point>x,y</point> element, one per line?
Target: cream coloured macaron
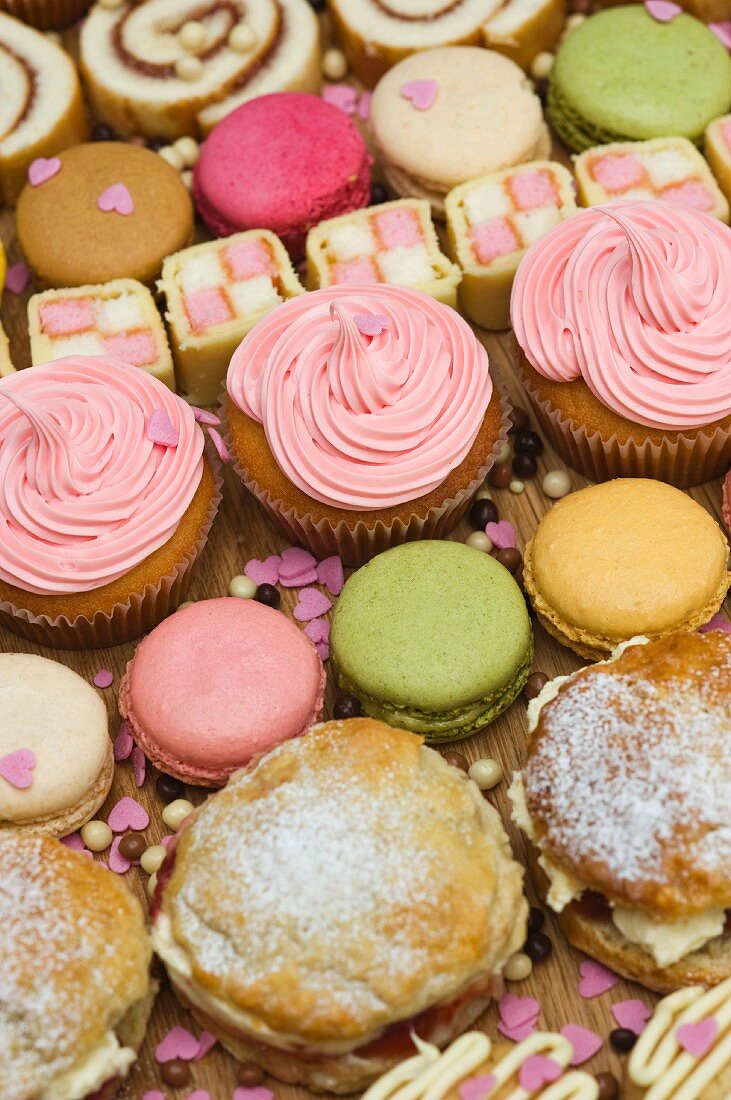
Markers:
<point>623,558</point>
<point>444,116</point>
<point>56,761</point>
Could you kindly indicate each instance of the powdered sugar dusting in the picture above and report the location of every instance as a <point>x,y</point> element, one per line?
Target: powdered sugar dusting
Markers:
<point>634,774</point>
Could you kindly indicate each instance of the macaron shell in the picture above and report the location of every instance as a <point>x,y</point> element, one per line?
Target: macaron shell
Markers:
<point>631,556</point>
<point>219,682</point>
<point>50,710</point>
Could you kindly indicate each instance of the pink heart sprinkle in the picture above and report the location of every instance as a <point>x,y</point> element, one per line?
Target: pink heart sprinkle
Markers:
<point>519,1033</point>
<point>364,106</point>
<point>312,603</point>
<point>74,841</point>
<point>698,1038</point>
<point>258,1092</point>
<point>718,622</point>
<point>420,93</point>
<point>301,580</point>
<point>117,862</point>
<point>631,1014</point>
<point>139,765</point>
<point>318,630</point>
<point>263,572</point>
<point>585,1043</point>
<point>501,534</point>
<point>323,650</point>
<point>17,768</point>
<point>128,814</point>
<point>477,1088</point>
<point>217,441</point>
<point>165,840</point>
<point>372,324</point>
<point>43,169</point>
<point>116,199</point>
<point>294,562</point>
<point>206,1043</point>
<point>330,573</point>
<point>662,11</point>
<point>17,277</point>
<point>160,430</point>
<point>204,417</point>
<point>341,96</point>
<point>123,743</point>
<point>178,1043</point>
<point>722,32</point>
<point>516,1011</point>
<point>103,678</point>
<point>538,1070</point>
<point>595,979</point>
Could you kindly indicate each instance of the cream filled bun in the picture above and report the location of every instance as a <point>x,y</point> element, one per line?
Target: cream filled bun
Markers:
<point>349,888</point>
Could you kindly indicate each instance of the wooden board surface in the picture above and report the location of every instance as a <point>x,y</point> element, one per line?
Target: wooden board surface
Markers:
<point>242,531</point>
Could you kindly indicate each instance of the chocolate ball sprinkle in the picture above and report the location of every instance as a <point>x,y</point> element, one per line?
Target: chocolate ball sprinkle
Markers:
<point>250,1076</point>
<point>536,919</point>
<point>538,947</point>
<point>176,1074</point>
<point>622,1039</point>
<point>168,788</point>
<point>482,512</point>
<point>534,685</point>
<point>528,443</point>
<point>457,760</point>
<point>131,847</point>
<point>510,557</point>
<point>268,595</point>
<point>519,420</point>
<point>608,1086</point>
<point>525,465</point>
<point>500,475</point>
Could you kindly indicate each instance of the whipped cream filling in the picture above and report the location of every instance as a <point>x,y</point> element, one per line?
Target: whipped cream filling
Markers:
<point>108,1059</point>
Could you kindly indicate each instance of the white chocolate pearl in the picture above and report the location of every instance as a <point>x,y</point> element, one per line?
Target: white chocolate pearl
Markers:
<point>242,38</point>
<point>573,22</point>
<point>171,155</point>
<point>483,494</point>
<point>518,967</point>
<point>506,453</point>
<point>189,68</point>
<point>478,540</point>
<point>152,858</point>
<point>334,64</point>
<point>151,886</point>
<point>96,835</point>
<point>516,486</point>
<point>186,178</point>
<point>485,773</point>
<point>176,812</point>
<point>541,65</point>
<point>556,484</point>
<point>189,150</point>
<point>243,587</point>
<point>192,35</point>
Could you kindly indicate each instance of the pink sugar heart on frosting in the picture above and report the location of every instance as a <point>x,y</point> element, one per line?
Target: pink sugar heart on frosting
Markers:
<point>43,169</point>
<point>16,768</point>
<point>585,1043</point>
<point>538,1070</point>
<point>341,96</point>
<point>123,743</point>
<point>421,94</point>
<point>697,1039</point>
<point>718,622</point>
<point>17,278</point>
<point>632,1015</point>
<point>330,574</point>
<point>371,324</point>
<point>516,1011</point>
<point>117,862</point>
<point>116,199</point>
<point>128,814</point>
<point>312,603</point>
<point>205,417</point>
<point>595,979</point>
<point>477,1088</point>
<point>178,1043</point>
<point>662,10</point>
<point>318,630</point>
<point>206,1043</point>
<point>218,442</point>
<point>160,430</point>
<point>139,765</point>
<point>263,572</point>
<point>722,32</point>
<point>103,678</point>
<point>257,1092</point>
<point>501,534</point>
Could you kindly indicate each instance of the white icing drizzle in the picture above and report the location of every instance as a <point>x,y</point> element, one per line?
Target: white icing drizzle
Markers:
<point>660,1064</point>
<point>430,1075</point>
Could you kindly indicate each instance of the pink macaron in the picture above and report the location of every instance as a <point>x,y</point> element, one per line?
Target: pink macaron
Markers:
<point>218,683</point>
<point>283,162</point>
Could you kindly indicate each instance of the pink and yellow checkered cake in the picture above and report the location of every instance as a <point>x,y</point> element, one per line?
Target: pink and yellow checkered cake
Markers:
<point>392,243</point>
<point>118,320</point>
<point>670,168</point>
<point>6,365</point>
<point>718,152</point>
<point>215,293</point>
<point>492,220</point>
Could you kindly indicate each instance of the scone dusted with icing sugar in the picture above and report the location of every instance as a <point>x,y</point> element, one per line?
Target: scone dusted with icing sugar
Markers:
<point>75,988</point>
<point>346,888</point>
<point>626,796</point>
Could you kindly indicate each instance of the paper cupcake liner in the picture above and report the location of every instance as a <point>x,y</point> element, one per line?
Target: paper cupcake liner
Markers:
<point>355,542</point>
<point>46,15</point>
<point>727,501</point>
<point>683,462</point>
<point>139,614</point>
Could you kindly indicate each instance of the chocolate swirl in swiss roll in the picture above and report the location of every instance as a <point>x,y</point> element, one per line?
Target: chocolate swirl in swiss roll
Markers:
<point>165,68</point>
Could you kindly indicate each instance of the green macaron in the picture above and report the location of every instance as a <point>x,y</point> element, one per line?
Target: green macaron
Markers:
<point>433,637</point>
<point>623,76</point>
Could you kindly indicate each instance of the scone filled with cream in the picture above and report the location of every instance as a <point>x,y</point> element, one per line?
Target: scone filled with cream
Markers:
<point>626,796</point>
<point>345,891</point>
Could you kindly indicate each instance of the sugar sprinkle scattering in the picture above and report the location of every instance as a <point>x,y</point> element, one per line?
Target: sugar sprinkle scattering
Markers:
<point>585,1043</point>
<point>103,678</point>
<point>139,765</point>
<point>117,862</point>
<point>128,814</point>
<point>595,979</point>
<point>631,1014</point>
<point>312,603</point>
<point>205,417</point>
<point>123,743</point>
<point>219,444</point>
<point>178,1043</point>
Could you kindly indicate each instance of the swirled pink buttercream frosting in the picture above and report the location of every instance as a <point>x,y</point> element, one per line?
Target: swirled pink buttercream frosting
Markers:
<point>633,298</point>
<point>85,495</point>
<point>362,421</point>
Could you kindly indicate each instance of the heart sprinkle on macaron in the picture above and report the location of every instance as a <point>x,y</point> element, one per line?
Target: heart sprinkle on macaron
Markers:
<point>662,11</point>
<point>421,94</point>
<point>16,768</point>
<point>116,199</point>
<point>43,169</point>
